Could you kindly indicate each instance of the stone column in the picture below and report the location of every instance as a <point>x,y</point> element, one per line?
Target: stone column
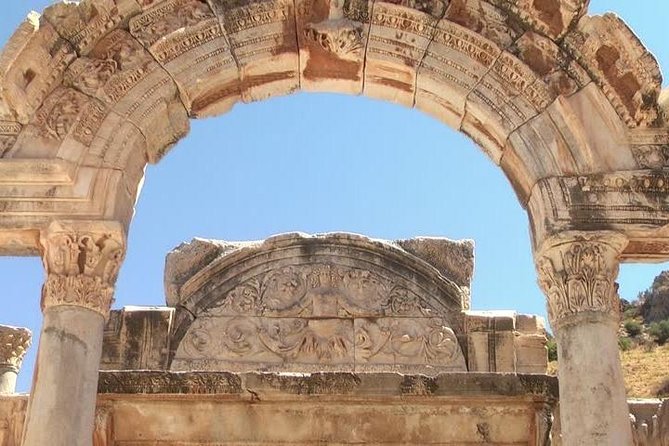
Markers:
<point>577,271</point>
<point>14,343</point>
<point>82,260</point>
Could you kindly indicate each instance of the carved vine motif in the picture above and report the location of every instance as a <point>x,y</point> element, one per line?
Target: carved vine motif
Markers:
<point>579,276</point>
<point>269,339</point>
<point>341,37</point>
<point>407,341</point>
<point>320,289</point>
<point>14,343</point>
<point>240,342</point>
<point>82,269</point>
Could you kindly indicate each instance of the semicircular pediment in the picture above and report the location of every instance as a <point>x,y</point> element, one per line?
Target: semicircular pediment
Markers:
<point>297,303</point>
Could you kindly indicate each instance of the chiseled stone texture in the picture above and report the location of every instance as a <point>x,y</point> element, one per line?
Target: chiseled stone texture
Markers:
<point>334,302</point>
<point>137,338</point>
<point>324,408</point>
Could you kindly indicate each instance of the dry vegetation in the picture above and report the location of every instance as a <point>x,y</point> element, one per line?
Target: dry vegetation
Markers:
<point>646,371</point>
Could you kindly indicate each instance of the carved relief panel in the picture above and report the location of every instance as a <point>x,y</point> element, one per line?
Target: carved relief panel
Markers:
<point>327,311</point>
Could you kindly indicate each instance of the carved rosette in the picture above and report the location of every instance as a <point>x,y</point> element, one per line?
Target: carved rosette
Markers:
<point>577,272</point>
<point>14,343</point>
<point>82,261</point>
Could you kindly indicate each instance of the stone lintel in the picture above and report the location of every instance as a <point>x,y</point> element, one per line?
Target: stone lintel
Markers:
<point>345,385</point>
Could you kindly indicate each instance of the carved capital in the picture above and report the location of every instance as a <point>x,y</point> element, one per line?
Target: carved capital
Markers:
<point>14,343</point>
<point>82,260</point>
<point>577,272</point>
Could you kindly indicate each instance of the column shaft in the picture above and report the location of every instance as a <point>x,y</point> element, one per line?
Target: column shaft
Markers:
<point>577,271</point>
<point>593,405</point>
<point>64,390</point>
<point>82,260</point>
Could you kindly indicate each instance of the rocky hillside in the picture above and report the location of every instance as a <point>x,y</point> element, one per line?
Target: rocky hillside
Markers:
<point>653,303</point>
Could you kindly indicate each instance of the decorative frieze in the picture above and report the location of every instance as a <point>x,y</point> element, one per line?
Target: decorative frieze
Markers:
<point>82,261</point>
<point>14,343</point>
<point>577,272</point>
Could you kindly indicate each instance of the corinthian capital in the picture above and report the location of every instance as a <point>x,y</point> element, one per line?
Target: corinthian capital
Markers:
<point>577,272</point>
<point>82,260</point>
<point>14,343</point>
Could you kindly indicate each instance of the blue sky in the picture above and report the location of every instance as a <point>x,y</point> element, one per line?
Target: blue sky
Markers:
<point>318,163</point>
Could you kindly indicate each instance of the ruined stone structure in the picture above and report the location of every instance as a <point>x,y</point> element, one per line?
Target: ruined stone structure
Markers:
<point>567,104</point>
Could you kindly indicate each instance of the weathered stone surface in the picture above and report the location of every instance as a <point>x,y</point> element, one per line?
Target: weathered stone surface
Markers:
<point>453,259</point>
<point>627,73</point>
<point>544,89</point>
<point>137,338</point>
<point>504,341</point>
<point>650,422</point>
<point>190,43</point>
<point>263,41</point>
<point>336,302</point>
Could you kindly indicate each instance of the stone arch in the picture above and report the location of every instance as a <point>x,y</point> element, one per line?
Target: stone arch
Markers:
<point>565,103</point>
<point>568,105</point>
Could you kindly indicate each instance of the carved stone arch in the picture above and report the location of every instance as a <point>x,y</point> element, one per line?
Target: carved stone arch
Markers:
<point>338,302</point>
<point>560,100</point>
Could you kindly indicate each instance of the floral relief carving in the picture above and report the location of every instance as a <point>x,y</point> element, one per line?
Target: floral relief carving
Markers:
<point>579,276</point>
<point>269,339</point>
<point>82,267</point>
<point>320,289</point>
<point>405,341</point>
<point>320,316</point>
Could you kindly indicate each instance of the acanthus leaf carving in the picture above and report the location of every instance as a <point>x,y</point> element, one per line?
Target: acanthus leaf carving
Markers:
<point>14,343</point>
<point>82,264</point>
<point>578,275</point>
<point>341,37</point>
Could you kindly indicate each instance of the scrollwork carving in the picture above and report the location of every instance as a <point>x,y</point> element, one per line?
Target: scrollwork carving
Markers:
<point>578,275</point>
<point>405,341</point>
<point>82,263</point>
<point>14,343</point>
<point>320,289</point>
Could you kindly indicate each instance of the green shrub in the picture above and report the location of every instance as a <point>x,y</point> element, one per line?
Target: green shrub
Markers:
<point>659,331</point>
<point>633,328</point>
<point>551,345</point>
<point>624,344</point>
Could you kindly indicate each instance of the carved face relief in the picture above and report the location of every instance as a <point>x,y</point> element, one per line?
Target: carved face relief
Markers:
<point>283,290</point>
